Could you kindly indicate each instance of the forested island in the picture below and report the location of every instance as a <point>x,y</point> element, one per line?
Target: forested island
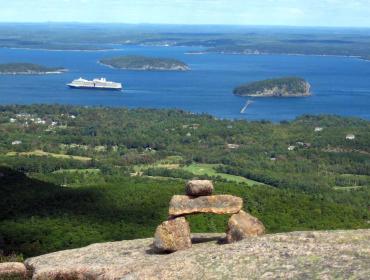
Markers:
<point>281,87</point>
<point>72,176</point>
<point>29,69</point>
<point>145,63</point>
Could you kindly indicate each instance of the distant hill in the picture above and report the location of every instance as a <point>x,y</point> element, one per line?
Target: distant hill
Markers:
<point>29,68</point>
<point>145,63</point>
<point>282,87</point>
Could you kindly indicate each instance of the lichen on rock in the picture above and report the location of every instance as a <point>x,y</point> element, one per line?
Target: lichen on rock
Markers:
<point>243,225</point>
<point>172,236</point>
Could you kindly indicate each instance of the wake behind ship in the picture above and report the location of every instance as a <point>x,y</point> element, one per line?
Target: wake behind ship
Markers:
<point>101,83</point>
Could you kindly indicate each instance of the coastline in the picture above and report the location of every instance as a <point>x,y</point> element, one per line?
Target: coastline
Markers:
<point>59,50</point>
<point>275,96</point>
<point>144,69</point>
<point>59,71</point>
<point>267,53</point>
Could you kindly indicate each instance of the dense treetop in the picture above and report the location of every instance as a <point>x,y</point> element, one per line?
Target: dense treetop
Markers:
<point>144,63</point>
<point>24,68</point>
<point>289,86</point>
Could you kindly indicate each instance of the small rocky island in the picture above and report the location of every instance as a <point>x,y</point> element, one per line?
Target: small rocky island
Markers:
<point>281,87</point>
<point>29,69</point>
<point>144,63</point>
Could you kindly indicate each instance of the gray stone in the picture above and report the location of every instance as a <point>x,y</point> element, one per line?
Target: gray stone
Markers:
<point>199,187</point>
<point>216,204</point>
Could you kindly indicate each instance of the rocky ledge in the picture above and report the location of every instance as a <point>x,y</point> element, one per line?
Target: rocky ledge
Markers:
<point>295,255</point>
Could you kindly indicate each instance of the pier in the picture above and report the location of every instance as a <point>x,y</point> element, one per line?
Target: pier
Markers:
<point>249,102</point>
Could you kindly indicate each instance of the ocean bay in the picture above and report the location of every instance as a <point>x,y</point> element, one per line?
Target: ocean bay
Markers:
<point>340,85</point>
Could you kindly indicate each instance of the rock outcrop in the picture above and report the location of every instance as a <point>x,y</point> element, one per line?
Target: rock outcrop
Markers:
<point>243,225</point>
<point>216,204</point>
<point>172,236</point>
<point>295,255</point>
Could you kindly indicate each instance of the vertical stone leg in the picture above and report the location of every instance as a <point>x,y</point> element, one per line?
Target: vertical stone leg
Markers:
<point>243,225</point>
<point>172,236</point>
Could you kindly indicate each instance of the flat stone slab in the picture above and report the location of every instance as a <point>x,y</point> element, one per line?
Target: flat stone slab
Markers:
<point>199,187</point>
<point>172,236</point>
<point>216,204</point>
<point>296,255</point>
<point>243,225</point>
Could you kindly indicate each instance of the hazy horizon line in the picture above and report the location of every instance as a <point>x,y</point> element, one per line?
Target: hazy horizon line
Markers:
<point>185,24</point>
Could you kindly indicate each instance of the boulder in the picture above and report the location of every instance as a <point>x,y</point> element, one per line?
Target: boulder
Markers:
<point>172,236</point>
<point>13,270</point>
<point>243,225</point>
<point>199,187</point>
<point>216,204</point>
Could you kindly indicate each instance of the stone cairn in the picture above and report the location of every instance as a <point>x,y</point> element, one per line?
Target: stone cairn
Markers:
<point>174,234</point>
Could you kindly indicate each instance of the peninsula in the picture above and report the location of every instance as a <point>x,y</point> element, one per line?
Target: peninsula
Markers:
<point>281,87</point>
<point>29,69</point>
<point>144,63</point>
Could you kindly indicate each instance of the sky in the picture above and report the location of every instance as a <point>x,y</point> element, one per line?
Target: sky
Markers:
<point>349,13</point>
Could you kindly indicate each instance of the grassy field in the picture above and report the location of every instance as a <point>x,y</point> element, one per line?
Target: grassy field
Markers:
<point>41,153</point>
<point>198,169</point>
<point>209,170</point>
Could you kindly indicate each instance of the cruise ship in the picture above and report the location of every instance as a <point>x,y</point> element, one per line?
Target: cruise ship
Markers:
<point>101,83</point>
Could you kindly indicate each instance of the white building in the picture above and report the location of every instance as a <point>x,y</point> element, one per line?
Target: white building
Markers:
<point>233,146</point>
<point>318,129</point>
<point>16,142</point>
<point>291,148</point>
<point>350,137</point>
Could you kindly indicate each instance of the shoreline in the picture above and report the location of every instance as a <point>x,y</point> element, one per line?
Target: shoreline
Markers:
<point>189,53</point>
<point>56,72</point>
<point>283,54</point>
<point>144,69</point>
<point>274,96</point>
<point>59,50</point>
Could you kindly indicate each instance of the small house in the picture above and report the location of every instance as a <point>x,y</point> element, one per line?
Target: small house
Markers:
<point>318,129</point>
<point>16,142</point>
<point>233,146</point>
<point>350,137</point>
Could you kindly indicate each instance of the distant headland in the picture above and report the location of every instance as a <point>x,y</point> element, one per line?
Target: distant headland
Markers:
<point>281,87</point>
<point>29,69</point>
<point>144,63</point>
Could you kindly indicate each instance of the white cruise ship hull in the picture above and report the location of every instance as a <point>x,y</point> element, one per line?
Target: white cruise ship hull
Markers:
<point>88,87</point>
<point>101,84</point>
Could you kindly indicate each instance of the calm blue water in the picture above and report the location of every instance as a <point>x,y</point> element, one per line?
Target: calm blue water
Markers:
<point>340,85</point>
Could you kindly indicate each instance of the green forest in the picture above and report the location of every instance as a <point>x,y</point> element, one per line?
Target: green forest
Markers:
<point>134,62</point>
<point>72,176</point>
<point>27,68</point>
